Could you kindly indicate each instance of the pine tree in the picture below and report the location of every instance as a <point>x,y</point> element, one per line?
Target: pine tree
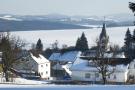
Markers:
<point>133,46</point>
<point>78,44</point>
<point>39,46</point>
<point>127,38</point>
<point>82,43</point>
<point>127,42</point>
<point>134,34</point>
<point>132,6</point>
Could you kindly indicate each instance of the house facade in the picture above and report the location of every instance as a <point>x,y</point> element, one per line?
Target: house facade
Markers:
<point>131,74</point>
<point>32,65</point>
<point>85,70</point>
<point>40,65</point>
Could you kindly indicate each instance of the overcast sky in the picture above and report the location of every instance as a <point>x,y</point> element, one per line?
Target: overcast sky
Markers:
<point>67,7</point>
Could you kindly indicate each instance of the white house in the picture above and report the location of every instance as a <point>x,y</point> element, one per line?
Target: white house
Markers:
<point>84,70</point>
<point>32,64</point>
<point>40,65</point>
<point>131,73</point>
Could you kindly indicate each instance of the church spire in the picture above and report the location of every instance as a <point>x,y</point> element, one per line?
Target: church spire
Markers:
<point>103,38</point>
<point>103,32</point>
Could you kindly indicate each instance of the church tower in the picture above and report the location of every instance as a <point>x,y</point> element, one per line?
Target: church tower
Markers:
<point>103,39</point>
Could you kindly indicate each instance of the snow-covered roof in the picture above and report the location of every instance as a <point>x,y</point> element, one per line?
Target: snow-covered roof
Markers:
<point>90,53</point>
<point>41,59</point>
<point>55,57</point>
<point>82,65</point>
<point>110,55</point>
<point>68,56</point>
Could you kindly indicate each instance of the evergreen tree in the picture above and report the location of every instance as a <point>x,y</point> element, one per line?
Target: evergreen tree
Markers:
<point>127,38</point>
<point>130,52</point>
<point>82,43</point>
<point>39,46</point>
<point>132,6</point>
<point>134,34</point>
<point>127,42</point>
<point>78,44</point>
<point>133,46</point>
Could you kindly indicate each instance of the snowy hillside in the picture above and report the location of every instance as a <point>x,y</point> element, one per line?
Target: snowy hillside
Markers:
<point>9,17</point>
<point>69,37</point>
<point>58,21</point>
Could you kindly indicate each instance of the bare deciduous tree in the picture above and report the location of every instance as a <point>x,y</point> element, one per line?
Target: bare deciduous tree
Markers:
<point>10,48</point>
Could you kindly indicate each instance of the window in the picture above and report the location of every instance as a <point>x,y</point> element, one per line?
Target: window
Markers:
<point>41,65</point>
<point>41,73</point>
<point>96,75</point>
<point>87,75</point>
<point>114,77</point>
<point>46,72</point>
<point>46,65</point>
<point>108,76</point>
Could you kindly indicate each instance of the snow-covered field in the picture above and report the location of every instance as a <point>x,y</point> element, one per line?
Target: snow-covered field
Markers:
<point>22,81</point>
<point>69,37</point>
<point>68,87</point>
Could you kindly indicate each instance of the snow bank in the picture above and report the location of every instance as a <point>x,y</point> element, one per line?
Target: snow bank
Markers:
<point>22,81</point>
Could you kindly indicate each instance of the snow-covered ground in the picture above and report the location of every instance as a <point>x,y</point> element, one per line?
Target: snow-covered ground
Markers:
<point>69,87</point>
<point>22,81</point>
<point>69,37</point>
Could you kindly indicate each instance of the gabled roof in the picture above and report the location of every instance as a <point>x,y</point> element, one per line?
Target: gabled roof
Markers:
<point>82,65</point>
<point>40,60</point>
<point>55,57</point>
<point>66,57</point>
